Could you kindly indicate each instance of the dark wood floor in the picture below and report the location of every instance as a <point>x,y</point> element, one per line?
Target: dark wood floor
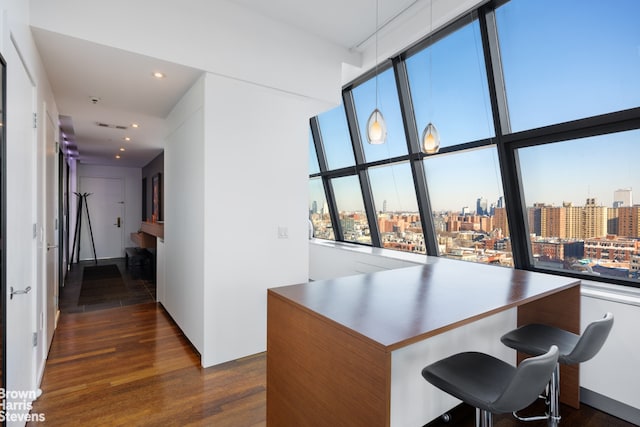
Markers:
<point>131,366</point>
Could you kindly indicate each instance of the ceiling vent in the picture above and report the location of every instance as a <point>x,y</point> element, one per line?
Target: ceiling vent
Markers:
<point>107,125</point>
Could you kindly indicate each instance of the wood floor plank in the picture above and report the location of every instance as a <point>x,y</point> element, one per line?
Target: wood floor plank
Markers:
<point>132,366</point>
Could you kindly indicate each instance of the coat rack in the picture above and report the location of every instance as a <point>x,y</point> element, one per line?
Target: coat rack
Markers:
<point>82,201</point>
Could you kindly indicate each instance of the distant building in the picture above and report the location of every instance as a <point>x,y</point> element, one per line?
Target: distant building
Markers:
<point>622,197</point>
<point>612,248</point>
<point>629,221</point>
<point>482,206</point>
<point>556,249</point>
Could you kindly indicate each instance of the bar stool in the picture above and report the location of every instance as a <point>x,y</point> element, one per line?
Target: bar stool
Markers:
<point>533,339</point>
<point>491,385</point>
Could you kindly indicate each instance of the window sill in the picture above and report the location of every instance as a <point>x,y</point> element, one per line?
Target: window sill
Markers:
<point>609,292</point>
<point>370,250</point>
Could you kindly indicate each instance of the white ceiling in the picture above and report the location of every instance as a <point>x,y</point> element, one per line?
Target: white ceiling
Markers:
<point>81,72</point>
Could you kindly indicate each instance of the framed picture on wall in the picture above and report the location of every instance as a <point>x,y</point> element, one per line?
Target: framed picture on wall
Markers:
<point>156,194</point>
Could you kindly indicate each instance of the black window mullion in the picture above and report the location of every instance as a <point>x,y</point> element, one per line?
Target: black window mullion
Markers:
<point>333,209</point>
<point>369,207</point>
<point>352,123</point>
<point>514,203</point>
<point>495,75</point>
<point>417,167</point>
<point>358,152</point>
<point>318,144</point>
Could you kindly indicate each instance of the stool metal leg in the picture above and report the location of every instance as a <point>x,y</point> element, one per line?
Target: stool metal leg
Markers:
<point>483,418</point>
<point>554,398</point>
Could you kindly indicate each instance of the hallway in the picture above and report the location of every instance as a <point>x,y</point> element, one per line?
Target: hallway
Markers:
<point>140,288</point>
<point>131,365</point>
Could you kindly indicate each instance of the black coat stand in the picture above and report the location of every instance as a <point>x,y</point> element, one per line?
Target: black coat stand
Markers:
<point>82,200</point>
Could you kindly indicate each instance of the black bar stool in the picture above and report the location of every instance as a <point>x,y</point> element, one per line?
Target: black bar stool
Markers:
<point>491,385</point>
<point>535,338</point>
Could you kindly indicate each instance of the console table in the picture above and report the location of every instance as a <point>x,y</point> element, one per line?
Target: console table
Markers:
<point>349,351</point>
<point>149,232</point>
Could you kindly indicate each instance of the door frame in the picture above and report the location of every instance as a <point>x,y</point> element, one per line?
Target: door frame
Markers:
<point>3,223</point>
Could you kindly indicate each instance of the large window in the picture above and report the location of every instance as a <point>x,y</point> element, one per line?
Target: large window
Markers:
<point>448,85</point>
<point>335,138</point>
<point>468,206</point>
<point>396,207</point>
<point>580,207</point>
<point>319,211</point>
<point>537,103</point>
<point>351,211</point>
<point>567,60</point>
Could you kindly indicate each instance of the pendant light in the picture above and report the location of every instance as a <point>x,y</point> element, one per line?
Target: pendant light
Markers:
<point>430,141</point>
<point>376,126</point>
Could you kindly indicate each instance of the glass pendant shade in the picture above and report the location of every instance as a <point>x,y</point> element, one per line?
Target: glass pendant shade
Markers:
<point>430,139</point>
<point>376,128</point>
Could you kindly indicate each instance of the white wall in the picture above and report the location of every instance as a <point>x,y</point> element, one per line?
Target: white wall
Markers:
<point>26,184</point>
<point>256,188</point>
<point>184,223</point>
<point>217,36</point>
<point>236,177</point>
<point>614,372</point>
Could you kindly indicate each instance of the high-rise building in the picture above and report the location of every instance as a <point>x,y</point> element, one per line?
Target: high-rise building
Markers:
<point>500,221</point>
<point>594,220</point>
<point>622,197</point>
<point>481,206</point>
<point>629,221</point>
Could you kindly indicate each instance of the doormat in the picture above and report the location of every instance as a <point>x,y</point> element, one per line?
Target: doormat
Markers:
<point>102,283</point>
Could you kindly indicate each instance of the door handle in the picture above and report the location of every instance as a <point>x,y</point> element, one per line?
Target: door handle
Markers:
<point>117,222</point>
<point>52,247</point>
<point>19,292</point>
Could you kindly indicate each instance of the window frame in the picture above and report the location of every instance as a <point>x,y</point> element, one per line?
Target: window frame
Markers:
<point>506,143</point>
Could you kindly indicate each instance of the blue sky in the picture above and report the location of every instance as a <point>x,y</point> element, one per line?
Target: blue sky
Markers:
<point>563,60</point>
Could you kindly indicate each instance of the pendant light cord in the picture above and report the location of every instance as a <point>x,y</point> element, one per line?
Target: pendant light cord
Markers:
<point>376,58</point>
<point>430,60</point>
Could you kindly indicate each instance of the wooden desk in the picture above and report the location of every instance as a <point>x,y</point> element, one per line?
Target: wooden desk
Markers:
<point>335,348</point>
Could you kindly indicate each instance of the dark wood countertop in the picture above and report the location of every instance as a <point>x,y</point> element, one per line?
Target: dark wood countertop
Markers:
<point>395,308</point>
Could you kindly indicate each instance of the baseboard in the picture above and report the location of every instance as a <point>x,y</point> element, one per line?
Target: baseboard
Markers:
<point>610,406</point>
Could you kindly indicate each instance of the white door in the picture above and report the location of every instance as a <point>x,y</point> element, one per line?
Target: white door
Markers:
<point>50,295</point>
<point>21,232</point>
<point>105,201</point>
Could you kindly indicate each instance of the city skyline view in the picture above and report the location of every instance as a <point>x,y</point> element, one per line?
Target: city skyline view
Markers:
<point>562,130</point>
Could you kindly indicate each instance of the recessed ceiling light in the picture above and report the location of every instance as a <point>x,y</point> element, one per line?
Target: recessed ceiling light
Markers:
<point>117,156</point>
<point>126,138</point>
<point>135,125</point>
<point>158,75</point>
<point>121,148</point>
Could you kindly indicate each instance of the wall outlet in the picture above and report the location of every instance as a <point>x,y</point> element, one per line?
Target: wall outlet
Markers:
<point>283,232</point>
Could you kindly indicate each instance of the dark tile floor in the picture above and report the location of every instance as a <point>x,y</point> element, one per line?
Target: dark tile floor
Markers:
<point>141,287</point>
